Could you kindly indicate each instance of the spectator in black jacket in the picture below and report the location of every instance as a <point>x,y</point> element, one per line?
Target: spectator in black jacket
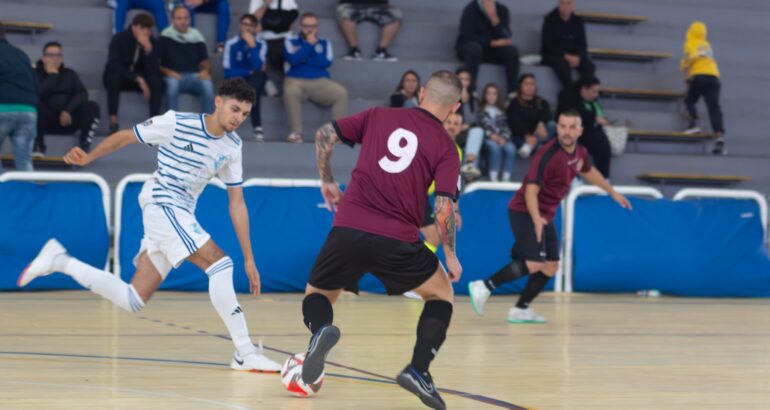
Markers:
<point>64,106</point>
<point>406,92</point>
<point>529,117</point>
<point>485,36</point>
<point>18,102</point>
<point>583,97</point>
<point>564,46</point>
<point>133,65</point>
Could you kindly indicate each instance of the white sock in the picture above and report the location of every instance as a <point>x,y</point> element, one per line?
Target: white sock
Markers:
<point>225,302</point>
<point>100,282</point>
<point>506,176</point>
<point>493,175</point>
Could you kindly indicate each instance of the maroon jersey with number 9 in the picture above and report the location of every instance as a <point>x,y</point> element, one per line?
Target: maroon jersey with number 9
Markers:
<point>402,151</point>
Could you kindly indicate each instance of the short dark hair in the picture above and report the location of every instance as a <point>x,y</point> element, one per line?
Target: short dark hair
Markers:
<point>239,89</point>
<point>252,18</point>
<point>586,82</point>
<point>51,44</point>
<point>179,7</point>
<point>144,20</point>
<point>308,14</point>
<point>570,113</point>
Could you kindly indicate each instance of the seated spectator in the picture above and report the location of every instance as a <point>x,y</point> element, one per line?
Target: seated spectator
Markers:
<point>485,36</point>
<point>352,12</point>
<point>156,7</point>
<point>244,57</point>
<point>64,106</point>
<point>492,129</point>
<point>276,18</point>
<point>133,65</point>
<point>469,102</point>
<point>307,76</point>
<point>18,102</point>
<point>583,97</point>
<point>219,7</point>
<point>406,92</point>
<point>184,62</point>
<point>529,117</point>
<point>702,74</point>
<point>563,43</point>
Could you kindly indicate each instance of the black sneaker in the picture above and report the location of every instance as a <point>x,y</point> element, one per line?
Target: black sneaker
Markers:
<point>421,385</point>
<point>383,55</point>
<point>38,150</point>
<point>354,54</point>
<point>320,345</point>
<point>719,147</point>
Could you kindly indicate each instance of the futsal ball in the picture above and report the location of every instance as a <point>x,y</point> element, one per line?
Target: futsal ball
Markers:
<point>291,376</point>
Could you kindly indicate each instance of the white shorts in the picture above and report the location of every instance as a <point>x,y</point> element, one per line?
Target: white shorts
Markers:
<point>171,235</point>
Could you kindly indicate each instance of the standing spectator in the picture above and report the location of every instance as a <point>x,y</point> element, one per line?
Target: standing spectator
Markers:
<point>702,73</point>
<point>276,18</point>
<point>244,57</point>
<point>406,92</point>
<point>529,117</point>
<point>307,76</point>
<point>64,106</point>
<point>18,99</point>
<point>492,128</point>
<point>583,97</point>
<point>388,17</point>
<point>485,36</point>
<point>133,65</point>
<point>219,7</point>
<point>185,63</point>
<point>156,7</point>
<point>563,46</point>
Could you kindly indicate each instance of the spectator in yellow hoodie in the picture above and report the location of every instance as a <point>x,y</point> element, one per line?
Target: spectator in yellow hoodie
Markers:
<point>702,73</point>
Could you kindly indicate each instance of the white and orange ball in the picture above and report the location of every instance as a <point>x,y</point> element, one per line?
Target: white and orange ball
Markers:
<point>291,376</point>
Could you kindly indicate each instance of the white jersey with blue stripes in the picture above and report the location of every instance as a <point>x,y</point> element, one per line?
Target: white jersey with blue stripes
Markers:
<point>188,158</point>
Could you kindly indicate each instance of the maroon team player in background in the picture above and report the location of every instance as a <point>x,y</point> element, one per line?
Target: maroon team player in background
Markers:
<point>376,225</point>
<point>531,212</point>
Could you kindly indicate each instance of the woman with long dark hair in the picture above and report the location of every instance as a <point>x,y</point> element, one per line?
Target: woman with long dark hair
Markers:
<point>406,92</point>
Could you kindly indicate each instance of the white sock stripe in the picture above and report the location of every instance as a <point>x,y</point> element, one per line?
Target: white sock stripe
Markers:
<point>219,266</point>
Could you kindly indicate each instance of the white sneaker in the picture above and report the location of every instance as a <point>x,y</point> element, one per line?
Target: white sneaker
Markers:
<point>255,362</point>
<point>270,89</point>
<point>693,130</point>
<point>528,315</point>
<point>479,295</point>
<point>42,265</point>
<point>412,295</point>
<point>470,171</point>
<point>525,151</point>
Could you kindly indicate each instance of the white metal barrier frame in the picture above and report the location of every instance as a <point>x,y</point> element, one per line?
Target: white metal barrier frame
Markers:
<point>564,276</point>
<point>688,193</point>
<point>68,177</point>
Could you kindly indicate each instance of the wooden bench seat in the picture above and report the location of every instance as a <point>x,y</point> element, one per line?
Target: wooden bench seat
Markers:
<point>627,55</point>
<point>26,27</point>
<point>640,94</point>
<point>674,136</point>
<point>664,178</point>
<point>43,162</point>
<point>610,18</point>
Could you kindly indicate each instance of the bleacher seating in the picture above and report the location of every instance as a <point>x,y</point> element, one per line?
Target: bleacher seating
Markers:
<point>32,28</point>
<point>668,178</point>
<point>609,18</point>
<point>38,162</point>
<point>627,55</point>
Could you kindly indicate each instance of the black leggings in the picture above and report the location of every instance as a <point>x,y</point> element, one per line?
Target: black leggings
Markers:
<point>83,120</point>
<point>707,86</point>
<point>598,145</point>
<point>114,84</point>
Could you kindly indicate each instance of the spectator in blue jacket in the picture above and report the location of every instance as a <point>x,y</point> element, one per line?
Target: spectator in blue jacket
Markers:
<point>18,102</point>
<point>244,57</point>
<point>307,76</point>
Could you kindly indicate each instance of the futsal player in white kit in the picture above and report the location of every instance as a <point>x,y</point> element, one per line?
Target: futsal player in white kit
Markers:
<point>192,149</point>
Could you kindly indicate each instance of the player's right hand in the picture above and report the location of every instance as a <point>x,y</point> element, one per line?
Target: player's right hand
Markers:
<point>332,195</point>
<point>454,269</point>
<point>539,224</point>
<point>76,156</point>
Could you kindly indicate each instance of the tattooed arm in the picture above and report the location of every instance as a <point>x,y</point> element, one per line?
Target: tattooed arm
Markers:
<point>325,138</point>
<point>444,209</point>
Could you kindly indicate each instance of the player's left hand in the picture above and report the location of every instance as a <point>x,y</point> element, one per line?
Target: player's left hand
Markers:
<point>623,201</point>
<point>454,269</point>
<point>332,195</point>
<point>253,274</point>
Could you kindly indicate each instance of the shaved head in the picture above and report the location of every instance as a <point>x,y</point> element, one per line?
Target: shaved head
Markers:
<point>443,88</point>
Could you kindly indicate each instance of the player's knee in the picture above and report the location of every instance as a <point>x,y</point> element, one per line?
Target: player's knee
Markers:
<point>533,267</point>
<point>550,268</point>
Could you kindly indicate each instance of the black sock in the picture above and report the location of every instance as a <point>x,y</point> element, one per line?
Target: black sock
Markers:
<point>535,285</point>
<point>317,312</point>
<point>431,332</point>
<point>508,273</point>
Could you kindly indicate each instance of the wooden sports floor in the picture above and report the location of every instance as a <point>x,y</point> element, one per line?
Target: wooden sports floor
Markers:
<point>74,350</point>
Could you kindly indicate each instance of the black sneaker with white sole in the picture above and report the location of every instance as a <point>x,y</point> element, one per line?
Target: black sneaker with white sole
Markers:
<point>354,54</point>
<point>421,385</point>
<point>320,345</point>
<point>384,55</point>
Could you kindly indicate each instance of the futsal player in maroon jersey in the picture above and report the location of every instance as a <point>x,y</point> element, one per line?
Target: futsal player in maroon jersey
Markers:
<point>377,222</point>
<point>531,212</point>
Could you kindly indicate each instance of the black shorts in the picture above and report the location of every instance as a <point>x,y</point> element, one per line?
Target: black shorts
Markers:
<point>526,246</point>
<point>429,218</point>
<point>349,253</point>
<point>380,14</point>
